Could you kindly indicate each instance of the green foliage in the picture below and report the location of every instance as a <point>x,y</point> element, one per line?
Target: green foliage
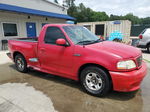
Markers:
<point>69,3</point>
<point>132,18</point>
<point>115,17</point>
<point>100,16</point>
<point>129,16</point>
<point>85,14</point>
<point>146,20</point>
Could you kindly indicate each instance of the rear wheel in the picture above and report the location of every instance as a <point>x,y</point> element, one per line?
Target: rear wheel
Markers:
<point>148,48</point>
<point>21,63</point>
<point>95,81</point>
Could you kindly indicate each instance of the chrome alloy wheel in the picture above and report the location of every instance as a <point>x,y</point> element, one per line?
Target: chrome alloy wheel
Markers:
<point>20,64</point>
<point>93,81</point>
<point>148,48</point>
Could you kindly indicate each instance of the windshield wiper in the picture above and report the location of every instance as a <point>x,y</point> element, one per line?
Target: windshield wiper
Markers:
<point>89,41</point>
<point>98,40</point>
<point>85,42</point>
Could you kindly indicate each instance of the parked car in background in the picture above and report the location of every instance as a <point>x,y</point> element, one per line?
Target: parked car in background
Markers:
<point>145,39</point>
<point>74,52</point>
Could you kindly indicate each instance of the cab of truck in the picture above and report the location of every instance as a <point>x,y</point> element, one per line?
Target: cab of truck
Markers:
<point>73,52</point>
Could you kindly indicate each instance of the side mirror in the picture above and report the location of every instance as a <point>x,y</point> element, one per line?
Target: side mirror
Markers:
<point>61,42</point>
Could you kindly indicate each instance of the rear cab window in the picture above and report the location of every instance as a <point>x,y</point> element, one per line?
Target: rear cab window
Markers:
<point>146,31</point>
<point>143,31</point>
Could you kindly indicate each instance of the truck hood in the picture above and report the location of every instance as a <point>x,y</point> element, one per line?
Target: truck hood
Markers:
<point>122,50</point>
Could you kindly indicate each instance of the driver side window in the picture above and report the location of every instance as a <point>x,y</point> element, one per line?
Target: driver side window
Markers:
<point>52,34</point>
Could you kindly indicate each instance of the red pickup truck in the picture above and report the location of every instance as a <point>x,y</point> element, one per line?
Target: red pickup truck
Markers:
<point>73,52</point>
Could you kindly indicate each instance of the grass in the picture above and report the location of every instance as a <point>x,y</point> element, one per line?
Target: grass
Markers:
<point>147,60</point>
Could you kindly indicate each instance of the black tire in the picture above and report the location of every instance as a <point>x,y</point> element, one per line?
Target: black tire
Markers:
<point>148,48</point>
<point>21,63</point>
<point>101,76</point>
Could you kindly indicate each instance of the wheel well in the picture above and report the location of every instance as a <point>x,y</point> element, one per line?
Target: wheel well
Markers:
<point>148,44</point>
<point>91,64</point>
<point>16,53</point>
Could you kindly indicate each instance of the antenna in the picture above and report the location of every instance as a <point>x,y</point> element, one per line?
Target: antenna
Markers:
<point>82,38</point>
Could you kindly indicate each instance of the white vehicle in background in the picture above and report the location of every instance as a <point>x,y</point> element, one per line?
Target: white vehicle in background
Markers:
<point>145,39</point>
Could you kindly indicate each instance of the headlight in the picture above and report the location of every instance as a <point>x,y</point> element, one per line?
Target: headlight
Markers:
<point>123,65</point>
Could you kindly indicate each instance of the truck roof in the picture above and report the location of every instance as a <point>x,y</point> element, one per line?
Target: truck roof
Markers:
<point>60,25</point>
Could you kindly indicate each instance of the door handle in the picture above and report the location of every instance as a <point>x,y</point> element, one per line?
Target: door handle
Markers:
<point>42,50</point>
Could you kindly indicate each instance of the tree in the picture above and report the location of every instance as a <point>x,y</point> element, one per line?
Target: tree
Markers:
<point>145,20</point>
<point>115,17</point>
<point>132,18</point>
<point>69,3</point>
<point>100,16</point>
<point>85,14</point>
<point>129,16</point>
<point>71,7</point>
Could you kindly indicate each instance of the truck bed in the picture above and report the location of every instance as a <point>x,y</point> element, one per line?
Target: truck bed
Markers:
<point>26,39</point>
<point>26,46</point>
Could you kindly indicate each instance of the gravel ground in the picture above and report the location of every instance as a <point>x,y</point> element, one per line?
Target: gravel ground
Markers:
<point>146,56</point>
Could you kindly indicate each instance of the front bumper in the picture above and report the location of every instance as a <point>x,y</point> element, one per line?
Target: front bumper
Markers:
<point>142,46</point>
<point>128,81</point>
<point>9,55</point>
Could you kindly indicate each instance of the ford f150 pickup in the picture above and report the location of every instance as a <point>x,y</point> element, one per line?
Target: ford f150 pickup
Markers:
<point>73,52</point>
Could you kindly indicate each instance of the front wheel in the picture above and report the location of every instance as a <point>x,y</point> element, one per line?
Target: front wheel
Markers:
<point>21,63</point>
<point>148,48</point>
<point>95,81</point>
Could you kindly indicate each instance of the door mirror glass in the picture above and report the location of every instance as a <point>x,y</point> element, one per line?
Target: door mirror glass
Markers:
<point>61,42</point>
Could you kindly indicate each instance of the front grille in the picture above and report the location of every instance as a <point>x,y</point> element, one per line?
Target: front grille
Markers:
<point>139,61</point>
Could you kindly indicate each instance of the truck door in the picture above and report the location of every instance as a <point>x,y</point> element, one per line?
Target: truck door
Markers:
<point>53,57</point>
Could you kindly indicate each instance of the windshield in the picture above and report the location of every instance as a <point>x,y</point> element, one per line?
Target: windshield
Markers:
<point>80,35</point>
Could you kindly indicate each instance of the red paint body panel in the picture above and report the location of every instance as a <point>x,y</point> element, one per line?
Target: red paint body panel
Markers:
<point>66,61</point>
<point>128,81</point>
